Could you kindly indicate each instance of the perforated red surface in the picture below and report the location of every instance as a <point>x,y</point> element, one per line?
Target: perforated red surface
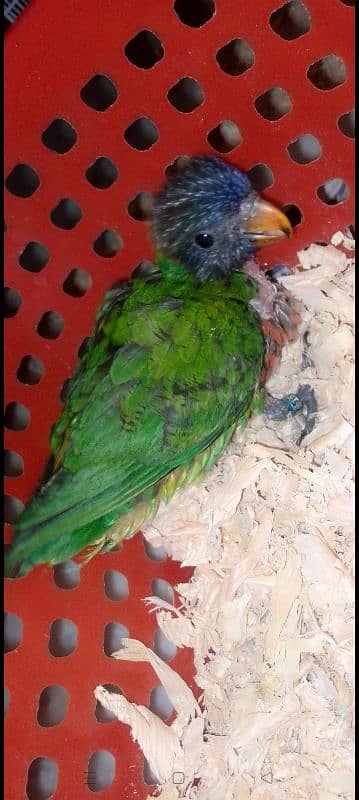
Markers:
<point>53,51</point>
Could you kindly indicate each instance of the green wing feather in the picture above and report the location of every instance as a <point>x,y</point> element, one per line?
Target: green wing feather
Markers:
<point>172,365</point>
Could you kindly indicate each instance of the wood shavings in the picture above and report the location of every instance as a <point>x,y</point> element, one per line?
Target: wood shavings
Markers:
<point>180,695</point>
<point>342,238</point>
<point>157,740</point>
<point>285,590</point>
<point>180,629</point>
<point>269,610</point>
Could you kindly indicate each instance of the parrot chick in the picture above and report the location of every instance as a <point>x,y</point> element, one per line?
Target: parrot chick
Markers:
<point>178,359</point>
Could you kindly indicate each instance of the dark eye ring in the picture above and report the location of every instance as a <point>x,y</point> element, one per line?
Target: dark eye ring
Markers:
<point>204,240</point>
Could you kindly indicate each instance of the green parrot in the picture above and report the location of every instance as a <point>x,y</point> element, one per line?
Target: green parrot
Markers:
<point>178,359</point>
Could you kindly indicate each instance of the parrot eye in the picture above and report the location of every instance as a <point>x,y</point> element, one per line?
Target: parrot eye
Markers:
<point>204,240</point>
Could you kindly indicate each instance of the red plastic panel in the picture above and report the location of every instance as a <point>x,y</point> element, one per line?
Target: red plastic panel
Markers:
<point>52,55</point>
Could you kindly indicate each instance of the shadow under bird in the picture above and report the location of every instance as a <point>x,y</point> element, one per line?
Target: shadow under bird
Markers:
<point>178,359</point>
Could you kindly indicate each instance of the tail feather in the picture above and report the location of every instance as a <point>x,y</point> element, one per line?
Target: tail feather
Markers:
<point>31,548</point>
<point>49,533</point>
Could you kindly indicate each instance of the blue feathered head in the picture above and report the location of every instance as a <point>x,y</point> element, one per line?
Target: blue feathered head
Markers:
<point>209,218</point>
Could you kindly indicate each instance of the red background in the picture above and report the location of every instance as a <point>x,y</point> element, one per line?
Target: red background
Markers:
<point>50,53</point>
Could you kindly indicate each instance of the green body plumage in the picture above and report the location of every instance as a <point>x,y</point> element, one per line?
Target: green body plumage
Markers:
<point>173,366</point>
<point>177,360</point>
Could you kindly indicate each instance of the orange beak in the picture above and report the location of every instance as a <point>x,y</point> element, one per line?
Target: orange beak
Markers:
<point>266,224</point>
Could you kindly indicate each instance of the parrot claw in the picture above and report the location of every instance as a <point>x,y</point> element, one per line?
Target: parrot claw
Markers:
<point>279,409</point>
<point>302,402</point>
<point>277,272</point>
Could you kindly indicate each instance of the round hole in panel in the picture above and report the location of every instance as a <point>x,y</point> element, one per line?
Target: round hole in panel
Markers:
<point>194,13</point>
<point>77,283</point>
<point>53,705</point>
<point>163,647</point>
<point>261,177</point>
<point>350,231</point>
<point>63,638</point>
<point>144,50</point>
<point>274,104</point>
<point>333,191</point>
<point>291,20</point>
<point>186,95</point>
<point>42,779</point>
<point>13,464</point>
<point>59,136</point>
<point>160,703</point>
<point>13,508</point>
<point>177,166</point>
<point>22,181</point>
<point>305,149</point>
<point>67,574</point>
<point>102,714</point>
<point>17,416</point>
<point>113,635</point>
<point>101,770</point>
<point>162,589</point>
<point>327,73</point>
<point>142,134</point>
<point>13,630</point>
<point>30,370</point>
<point>66,214</point>
<point>154,553</point>
<point>108,243</point>
<point>225,136</point>
<point>116,585</point>
<point>145,270</point>
<point>34,257</point>
<point>12,302</point>
<point>102,173</point>
<point>50,325</point>
<point>99,93</point>
<point>294,214</point>
<point>140,207</point>
<point>235,57</point>
<point>346,124</point>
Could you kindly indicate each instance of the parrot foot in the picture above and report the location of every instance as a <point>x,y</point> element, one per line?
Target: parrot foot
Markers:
<point>303,402</point>
<point>278,271</point>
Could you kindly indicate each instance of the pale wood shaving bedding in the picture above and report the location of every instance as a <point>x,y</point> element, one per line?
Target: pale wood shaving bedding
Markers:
<point>269,610</point>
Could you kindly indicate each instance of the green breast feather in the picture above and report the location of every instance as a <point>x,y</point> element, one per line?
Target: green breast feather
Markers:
<point>172,366</point>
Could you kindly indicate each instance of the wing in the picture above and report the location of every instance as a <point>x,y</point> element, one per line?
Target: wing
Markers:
<point>168,370</point>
